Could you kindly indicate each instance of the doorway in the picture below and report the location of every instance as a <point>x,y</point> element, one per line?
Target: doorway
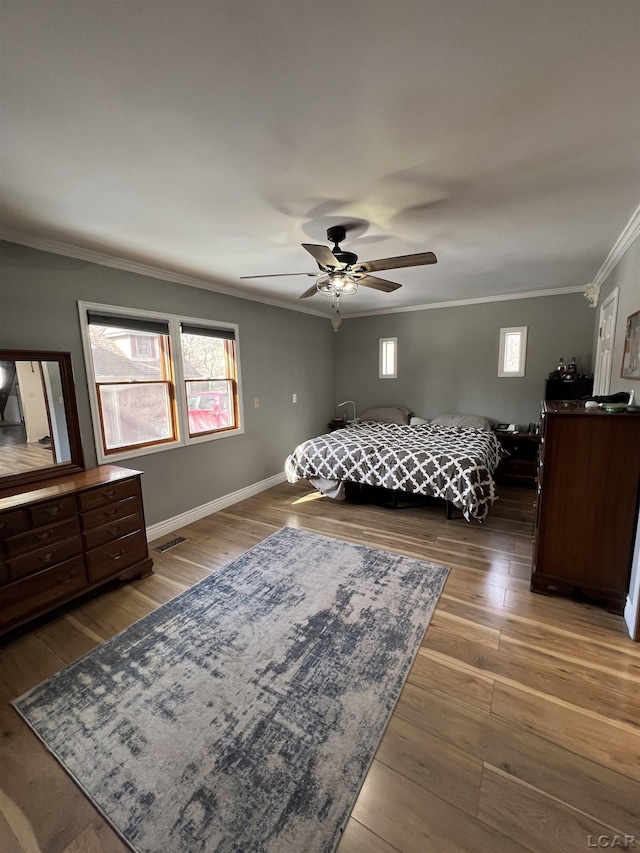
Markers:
<point>604,351</point>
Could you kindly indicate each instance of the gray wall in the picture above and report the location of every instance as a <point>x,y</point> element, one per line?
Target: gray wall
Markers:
<point>281,352</point>
<point>448,357</point>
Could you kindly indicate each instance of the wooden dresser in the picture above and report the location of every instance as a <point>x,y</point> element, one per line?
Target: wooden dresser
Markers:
<point>68,535</point>
<point>588,490</point>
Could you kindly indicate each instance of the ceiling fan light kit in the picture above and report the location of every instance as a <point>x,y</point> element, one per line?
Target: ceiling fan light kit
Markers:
<point>341,274</point>
<point>336,284</point>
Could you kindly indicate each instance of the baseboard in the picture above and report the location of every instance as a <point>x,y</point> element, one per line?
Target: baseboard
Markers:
<point>155,531</point>
<point>630,616</point>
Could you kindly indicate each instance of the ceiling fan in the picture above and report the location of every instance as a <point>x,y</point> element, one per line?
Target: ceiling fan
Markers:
<point>341,273</point>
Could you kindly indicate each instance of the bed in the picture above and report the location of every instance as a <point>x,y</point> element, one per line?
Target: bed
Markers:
<point>435,458</point>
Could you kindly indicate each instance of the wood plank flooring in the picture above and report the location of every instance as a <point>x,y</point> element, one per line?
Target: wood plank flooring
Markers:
<point>518,728</point>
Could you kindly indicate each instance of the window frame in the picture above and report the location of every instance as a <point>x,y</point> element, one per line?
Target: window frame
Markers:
<point>522,360</point>
<point>381,347</point>
<point>230,362</point>
<point>176,379</point>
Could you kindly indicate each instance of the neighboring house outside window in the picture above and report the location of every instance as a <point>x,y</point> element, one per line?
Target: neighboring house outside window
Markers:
<point>157,381</point>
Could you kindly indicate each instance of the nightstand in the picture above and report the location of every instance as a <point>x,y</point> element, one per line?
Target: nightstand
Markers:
<point>336,423</point>
<point>520,466</point>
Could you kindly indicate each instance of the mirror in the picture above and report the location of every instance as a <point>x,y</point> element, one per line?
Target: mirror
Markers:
<point>39,430</point>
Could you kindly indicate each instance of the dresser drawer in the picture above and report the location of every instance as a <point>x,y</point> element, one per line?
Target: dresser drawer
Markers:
<point>42,536</point>
<point>114,557</point>
<point>111,512</point>
<point>4,571</point>
<point>122,527</point>
<point>108,494</point>
<point>52,511</point>
<point>39,592</point>
<point>13,522</point>
<point>50,555</point>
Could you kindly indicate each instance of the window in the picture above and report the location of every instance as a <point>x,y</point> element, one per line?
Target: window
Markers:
<point>513,351</point>
<point>143,346</point>
<point>388,358</point>
<point>157,380</point>
<point>209,363</point>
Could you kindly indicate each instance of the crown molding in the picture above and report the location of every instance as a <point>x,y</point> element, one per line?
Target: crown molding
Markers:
<point>92,256</point>
<point>629,234</point>
<point>105,260</point>
<point>532,294</point>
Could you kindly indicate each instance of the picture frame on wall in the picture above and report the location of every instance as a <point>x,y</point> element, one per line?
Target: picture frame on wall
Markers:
<point>631,354</point>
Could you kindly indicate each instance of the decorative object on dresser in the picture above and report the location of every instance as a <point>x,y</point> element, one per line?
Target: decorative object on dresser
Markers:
<point>64,536</point>
<point>244,714</point>
<point>567,383</point>
<point>564,389</point>
<point>588,489</point>
<point>520,464</point>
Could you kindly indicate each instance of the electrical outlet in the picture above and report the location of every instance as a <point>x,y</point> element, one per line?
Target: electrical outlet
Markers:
<point>256,402</point>
<point>294,398</point>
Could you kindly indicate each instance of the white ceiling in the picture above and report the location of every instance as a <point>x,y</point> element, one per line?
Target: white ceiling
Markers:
<point>212,138</point>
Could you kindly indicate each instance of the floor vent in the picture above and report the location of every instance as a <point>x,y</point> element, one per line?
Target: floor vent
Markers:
<point>171,544</point>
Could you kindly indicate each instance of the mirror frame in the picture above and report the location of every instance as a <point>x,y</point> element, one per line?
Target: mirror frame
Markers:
<point>11,481</point>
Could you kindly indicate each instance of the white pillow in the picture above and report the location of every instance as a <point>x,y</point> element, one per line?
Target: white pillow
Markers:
<point>469,421</point>
<point>418,421</point>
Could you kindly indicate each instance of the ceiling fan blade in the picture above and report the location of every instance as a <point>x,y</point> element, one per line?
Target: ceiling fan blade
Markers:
<point>397,263</point>
<point>280,275</point>
<point>323,255</point>
<point>309,292</point>
<point>378,283</point>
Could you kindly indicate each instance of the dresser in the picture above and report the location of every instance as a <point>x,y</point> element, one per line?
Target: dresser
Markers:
<point>587,503</point>
<point>68,535</point>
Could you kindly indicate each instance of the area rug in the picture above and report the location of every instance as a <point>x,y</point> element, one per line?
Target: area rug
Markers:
<point>243,715</point>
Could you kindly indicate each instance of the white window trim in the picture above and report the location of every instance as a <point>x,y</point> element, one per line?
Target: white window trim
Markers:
<point>522,331</point>
<point>381,374</point>
<point>174,322</point>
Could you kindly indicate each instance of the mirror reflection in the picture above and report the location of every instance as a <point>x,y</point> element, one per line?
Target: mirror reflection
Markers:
<point>33,418</point>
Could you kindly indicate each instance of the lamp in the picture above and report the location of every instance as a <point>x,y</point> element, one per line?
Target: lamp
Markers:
<point>344,403</point>
<point>337,283</point>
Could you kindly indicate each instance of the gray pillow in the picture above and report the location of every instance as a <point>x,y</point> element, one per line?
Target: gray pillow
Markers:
<point>387,415</point>
<point>415,421</point>
<point>470,421</point>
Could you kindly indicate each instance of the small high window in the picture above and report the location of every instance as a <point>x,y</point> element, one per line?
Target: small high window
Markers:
<point>513,351</point>
<point>388,358</point>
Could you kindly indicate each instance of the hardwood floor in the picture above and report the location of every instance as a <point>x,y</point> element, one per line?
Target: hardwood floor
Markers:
<point>16,455</point>
<point>518,728</point>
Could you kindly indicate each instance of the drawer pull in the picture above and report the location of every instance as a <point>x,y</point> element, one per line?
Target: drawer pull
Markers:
<point>46,558</point>
<point>112,511</point>
<point>53,510</point>
<point>61,581</point>
<point>108,493</point>
<point>114,530</point>
<point>44,535</point>
<point>117,554</point>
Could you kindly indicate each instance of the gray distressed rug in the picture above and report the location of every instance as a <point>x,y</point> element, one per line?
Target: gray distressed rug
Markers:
<point>243,715</point>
